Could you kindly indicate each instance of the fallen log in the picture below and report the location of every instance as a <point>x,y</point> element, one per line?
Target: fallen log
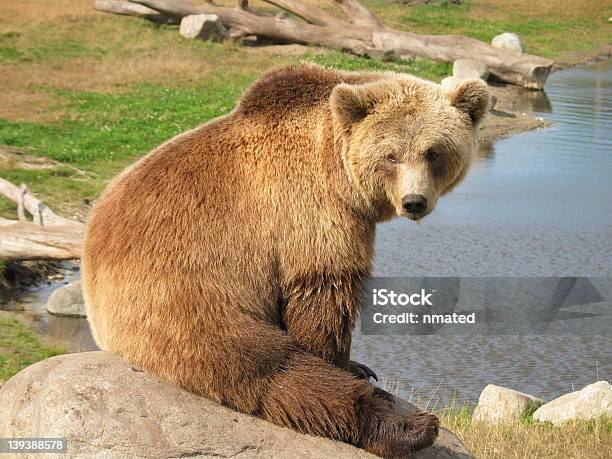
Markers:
<point>362,34</point>
<point>132,9</point>
<point>47,237</point>
<point>28,241</point>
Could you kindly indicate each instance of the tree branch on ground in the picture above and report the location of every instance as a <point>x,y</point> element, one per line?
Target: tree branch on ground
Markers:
<point>361,34</point>
<point>47,236</point>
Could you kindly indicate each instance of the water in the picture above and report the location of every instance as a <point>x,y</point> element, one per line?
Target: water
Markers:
<point>536,204</point>
<point>71,333</point>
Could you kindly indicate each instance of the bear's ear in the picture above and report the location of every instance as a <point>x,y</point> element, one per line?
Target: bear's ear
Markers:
<point>349,104</point>
<point>471,97</point>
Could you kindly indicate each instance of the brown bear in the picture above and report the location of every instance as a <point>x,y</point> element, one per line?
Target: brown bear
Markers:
<point>230,259</point>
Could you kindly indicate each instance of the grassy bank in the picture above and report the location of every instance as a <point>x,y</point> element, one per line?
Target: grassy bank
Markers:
<point>20,346</point>
<point>531,439</point>
<point>549,27</point>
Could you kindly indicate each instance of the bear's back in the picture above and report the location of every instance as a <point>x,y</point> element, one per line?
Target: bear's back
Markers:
<point>296,88</point>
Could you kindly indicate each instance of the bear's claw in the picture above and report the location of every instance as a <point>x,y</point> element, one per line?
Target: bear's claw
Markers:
<point>361,371</point>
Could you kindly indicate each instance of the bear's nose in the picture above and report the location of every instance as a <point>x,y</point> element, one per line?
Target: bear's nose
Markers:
<point>414,203</point>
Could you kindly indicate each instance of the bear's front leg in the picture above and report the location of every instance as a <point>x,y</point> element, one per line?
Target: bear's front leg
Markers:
<point>320,312</point>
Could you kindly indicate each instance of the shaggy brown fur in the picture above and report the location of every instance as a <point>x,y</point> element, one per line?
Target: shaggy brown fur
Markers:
<point>230,259</point>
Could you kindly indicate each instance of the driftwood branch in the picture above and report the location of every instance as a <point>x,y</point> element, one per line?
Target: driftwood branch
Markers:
<point>132,9</point>
<point>359,14</point>
<point>270,27</point>
<point>308,13</point>
<point>47,237</point>
<point>362,34</point>
<point>27,241</point>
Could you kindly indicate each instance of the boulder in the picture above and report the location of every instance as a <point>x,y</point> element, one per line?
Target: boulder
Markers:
<point>593,401</point>
<point>106,407</point>
<point>470,68</point>
<point>204,27</point>
<point>67,301</point>
<point>500,405</point>
<point>508,40</point>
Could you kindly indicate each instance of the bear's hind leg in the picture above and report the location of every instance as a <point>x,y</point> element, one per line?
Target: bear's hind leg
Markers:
<point>314,397</point>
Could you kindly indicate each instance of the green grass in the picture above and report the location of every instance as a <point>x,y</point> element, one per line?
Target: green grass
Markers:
<point>422,68</point>
<point>537,33</point>
<point>115,126</point>
<point>65,40</point>
<point>20,347</point>
<point>8,48</point>
<point>548,28</point>
<point>104,126</point>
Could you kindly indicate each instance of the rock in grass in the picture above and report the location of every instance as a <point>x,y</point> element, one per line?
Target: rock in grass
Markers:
<point>508,40</point>
<point>500,405</point>
<point>470,68</point>
<point>451,82</point>
<point>593,401</point>
<point>67,301</point>
<point>106,407</point>
<point>204,27</point>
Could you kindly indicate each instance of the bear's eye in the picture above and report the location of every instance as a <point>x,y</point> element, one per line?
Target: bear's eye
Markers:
<point>392,158</point>
<point>431,155</point>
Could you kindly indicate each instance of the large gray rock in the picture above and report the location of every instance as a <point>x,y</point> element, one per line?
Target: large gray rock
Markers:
<point>203,26</point>
<point>500,405</point>
<point>508,40</point>
<point>67,301</point>
<point>593,401</point>
<point>107,408</point>
<point>470,68</point>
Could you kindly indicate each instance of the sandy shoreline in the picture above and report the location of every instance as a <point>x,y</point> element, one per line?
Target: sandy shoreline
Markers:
<point>572,59</point>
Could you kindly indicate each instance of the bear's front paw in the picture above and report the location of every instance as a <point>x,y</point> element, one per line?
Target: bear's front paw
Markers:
<point>384,395</point>
<point>394,435</point>
<point>361,371</point>
<point>423,428</point>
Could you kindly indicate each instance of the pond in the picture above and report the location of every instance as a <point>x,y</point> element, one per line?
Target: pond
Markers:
<point>535,204</point>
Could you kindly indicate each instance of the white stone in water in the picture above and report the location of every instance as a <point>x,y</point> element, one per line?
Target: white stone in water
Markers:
<point>499,405</point>
<point>204,27</point>
<point>470,68</point>
<point>508,40</point>
<point>591,402</point>
<point>67,301</point>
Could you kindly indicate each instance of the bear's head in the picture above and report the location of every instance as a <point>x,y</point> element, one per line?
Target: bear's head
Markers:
<point>405,142</point>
